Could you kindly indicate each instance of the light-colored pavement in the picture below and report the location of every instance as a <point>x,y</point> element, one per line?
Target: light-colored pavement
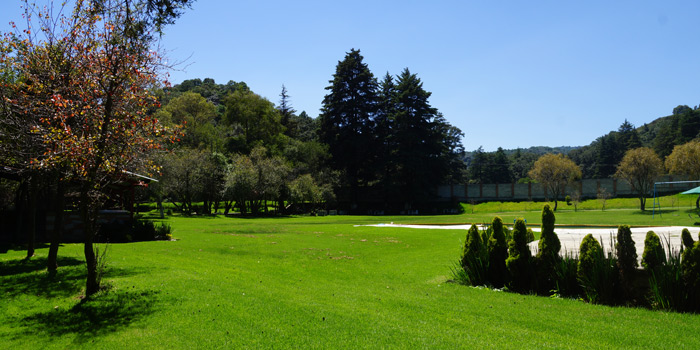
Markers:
<point>571,238</point>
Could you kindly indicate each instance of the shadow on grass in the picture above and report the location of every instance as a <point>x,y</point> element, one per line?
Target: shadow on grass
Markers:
<point>21,277</point>
<point>15,267</point>
<point>101,314</point>
<point>5,247</point>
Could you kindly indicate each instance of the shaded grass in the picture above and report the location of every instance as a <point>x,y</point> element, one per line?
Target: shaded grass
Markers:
<point>309,282</point>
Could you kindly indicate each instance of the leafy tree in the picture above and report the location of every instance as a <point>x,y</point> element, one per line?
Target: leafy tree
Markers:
<point>254,120</point>
<point>640,167</point>
<point>240,181</point>
<point>187,175</point>
<point>685,160</point>
<point>196,114</point>
<point>96,121</point>
<point>555,173</point>
<point>347,119</point>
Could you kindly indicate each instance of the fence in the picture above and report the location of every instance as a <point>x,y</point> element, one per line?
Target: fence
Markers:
<point>589,188</point>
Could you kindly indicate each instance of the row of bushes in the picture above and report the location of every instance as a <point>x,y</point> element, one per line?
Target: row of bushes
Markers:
<point>669,278</point>
<point>133,231</point>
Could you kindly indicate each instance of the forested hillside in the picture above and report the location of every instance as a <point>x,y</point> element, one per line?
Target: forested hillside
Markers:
<point>599,159</point>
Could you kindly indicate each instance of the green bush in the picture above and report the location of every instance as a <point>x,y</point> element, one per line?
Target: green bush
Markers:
<point>518,262</point>
<point>626,257</point>
<point>548,253</point>
<point>549,244</point>
<point>474,257</point>
<point>597,274</point>
<point>687,239</point>
<point>566,282</point>
<point>667,288</point>
<point>498,253</point>
<point>530,235</point>
<point>690,268</point>
<point>653,255</point>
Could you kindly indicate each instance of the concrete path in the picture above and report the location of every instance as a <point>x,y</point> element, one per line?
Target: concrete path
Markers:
<point>571,238</point>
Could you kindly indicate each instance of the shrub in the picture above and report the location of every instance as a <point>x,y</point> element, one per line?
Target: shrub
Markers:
<point>653,255</point>
<point>626,257</point>
<point>518,262</point>
<point>687,239</point>
<point>549,244</point>
<point>668,291</point>
<point>596,273</point>
<point>548,254</point>
<point>565,280</point>
<point>690,268</point>
<point>530,235</point>
<point>498,253</point>
<point>474,260</point>
<point>568,199</point>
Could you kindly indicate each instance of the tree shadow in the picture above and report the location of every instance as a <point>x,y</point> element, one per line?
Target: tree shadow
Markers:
<point>15,267</point>
<point>25,277</point>
<point>98,315</point>
<point>5,247</point>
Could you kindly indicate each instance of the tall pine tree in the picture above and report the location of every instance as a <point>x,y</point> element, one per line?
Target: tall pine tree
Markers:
<point>347,121</point>
<point>421,155</point>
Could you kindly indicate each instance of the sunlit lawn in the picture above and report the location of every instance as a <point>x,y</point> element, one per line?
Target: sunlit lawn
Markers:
<point>312,282</point>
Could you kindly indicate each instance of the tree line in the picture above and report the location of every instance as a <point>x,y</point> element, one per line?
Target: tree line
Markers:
<point>375,146</point>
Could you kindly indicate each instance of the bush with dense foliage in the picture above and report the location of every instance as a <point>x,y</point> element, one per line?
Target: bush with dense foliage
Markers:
<point>498,253</point>
<point>687,239</point>
<point>653,255</point>
<point>474,258</point>
<point>519,256</point>
<point>626,257</point>
<point>597,274</point>
<point>548,254</point>
<point>690,268</point>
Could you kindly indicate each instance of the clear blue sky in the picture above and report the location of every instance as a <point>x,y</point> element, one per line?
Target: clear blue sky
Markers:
<point>508,73</point>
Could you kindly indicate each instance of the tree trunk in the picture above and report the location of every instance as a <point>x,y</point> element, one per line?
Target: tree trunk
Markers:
<point>88,214</point>
<point>51,262</point>
<point>20,204</point>
<point>697,203</point>
<point>160,206</point>
<point>642,203</point>
<point>31,228</point>
<point>555,205</point>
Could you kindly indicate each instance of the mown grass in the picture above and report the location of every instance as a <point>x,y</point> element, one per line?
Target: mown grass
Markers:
<point>310,282</point>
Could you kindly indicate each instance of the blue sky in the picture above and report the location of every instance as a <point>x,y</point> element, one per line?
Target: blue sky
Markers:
<point>508,73</point>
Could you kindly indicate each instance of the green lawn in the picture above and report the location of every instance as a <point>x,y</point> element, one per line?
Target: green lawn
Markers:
<point>312,282</point>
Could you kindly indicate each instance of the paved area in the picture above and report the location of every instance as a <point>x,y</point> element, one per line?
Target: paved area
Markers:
<point>571,238</point>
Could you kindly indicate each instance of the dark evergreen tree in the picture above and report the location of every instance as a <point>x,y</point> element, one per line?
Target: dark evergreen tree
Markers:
<point>287,113</point>
<point>497,253</point>
<point>478,166</point>
<point>421,155</point>
<point>386,143</point>
<point>500,168</point>
<point>347,120</point>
